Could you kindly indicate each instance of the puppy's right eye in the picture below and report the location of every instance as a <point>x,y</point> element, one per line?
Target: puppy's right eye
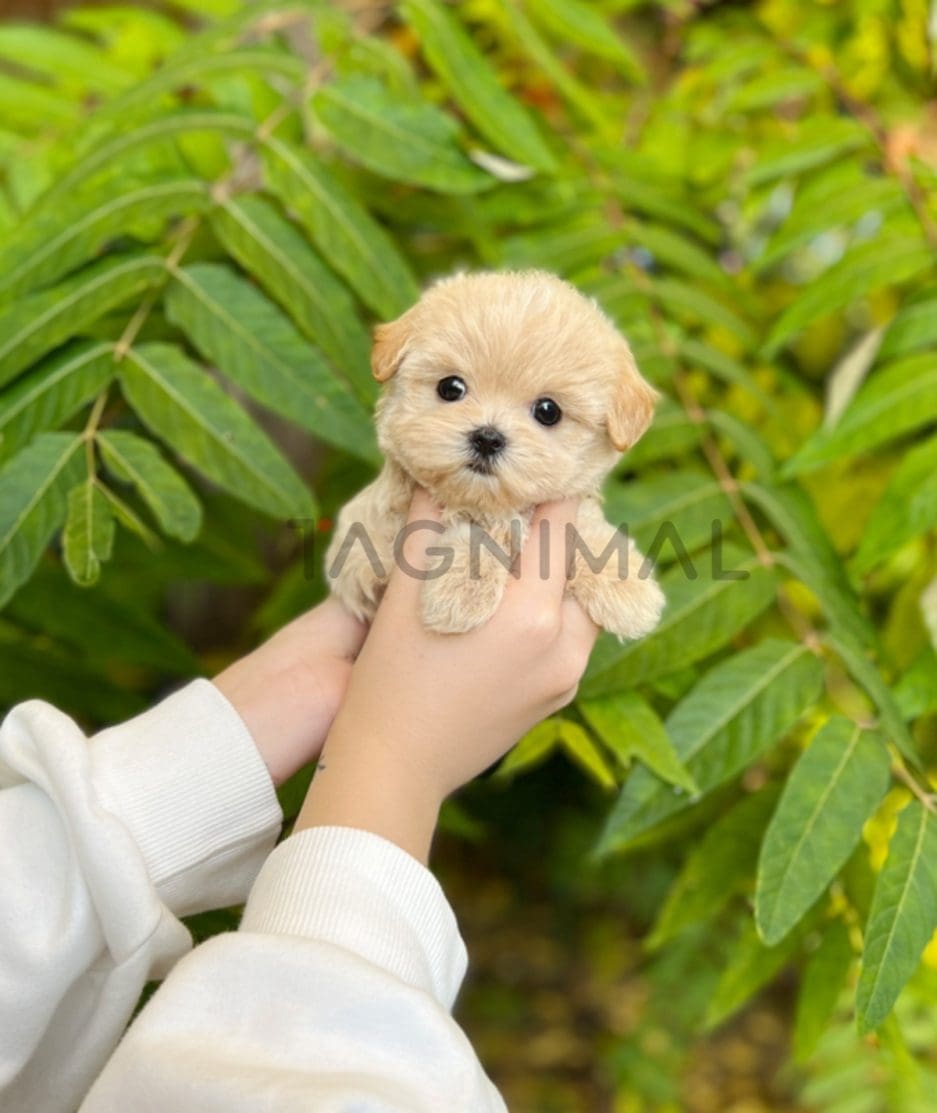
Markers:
<point>451,388</point>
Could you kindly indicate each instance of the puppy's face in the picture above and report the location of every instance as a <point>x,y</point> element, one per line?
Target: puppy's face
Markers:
<point>504,390</point>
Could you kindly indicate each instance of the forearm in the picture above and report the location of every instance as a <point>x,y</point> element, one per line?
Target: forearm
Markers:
<point>361,784</point>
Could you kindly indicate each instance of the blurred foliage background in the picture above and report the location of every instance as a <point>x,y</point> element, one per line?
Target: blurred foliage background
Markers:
<point>710,884</point>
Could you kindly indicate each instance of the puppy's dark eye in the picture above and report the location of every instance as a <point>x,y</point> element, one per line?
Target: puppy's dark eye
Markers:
<point>451,388</point>
<point>546,411</point>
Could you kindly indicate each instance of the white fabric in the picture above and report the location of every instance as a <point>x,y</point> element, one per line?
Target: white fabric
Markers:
<point>334,995</point>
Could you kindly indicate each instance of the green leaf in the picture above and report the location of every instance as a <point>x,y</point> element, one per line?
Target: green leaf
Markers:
<point>28,107</point>
<point>629,727</point>
<point>751,967</point>
<point>907,508</point>
<point>821,139</point>
<point>198,69</point>
<point>475,85</point>
<point>52,244</point>
<point>56,390</point>
<point>700,616</point>
<point>35,669</point>
<point>866,673</point>
<point>885,261</point>
<point>564,247</point>
<point>88,538</point>
<point>347,235</point>
<point>745,441</point>
<point>182,405</point>
<point>671,435</point>
<point>276,253</point>
<point>716,868</point>
<point>161,487</point>
<point>913,327</point>
<point>578,23</point>
<point>821,984</point>
<point>167,126</point>
<point>580,98</point>
<point>811,557</point>
<point>33,326</point>
<point>677,252</point>
<point>897,399</point>
<point>836,785</point>
<point>535,747</point>
<point>839,205</point>
<point>768,89</point>
<point>580,748</point>
<point>34,487</point>
<point>916,692</point>
<point>238,329</point>
<point>65,59</point>
<point>688,301</point>
<point>736,712</point>
<point>659,199</point>
<point>686,502</point>
<point>903,916</point>
<point>404,141</point>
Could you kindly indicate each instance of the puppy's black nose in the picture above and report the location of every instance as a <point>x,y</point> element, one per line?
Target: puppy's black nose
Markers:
<point>487,441</point>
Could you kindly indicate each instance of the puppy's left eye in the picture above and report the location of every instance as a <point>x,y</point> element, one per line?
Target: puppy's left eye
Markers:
<point>546,411</point>
<point>451,388</point>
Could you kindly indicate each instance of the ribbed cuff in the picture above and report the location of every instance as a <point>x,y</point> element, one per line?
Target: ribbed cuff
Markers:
<point>360,892</point>
<point>187,780</point>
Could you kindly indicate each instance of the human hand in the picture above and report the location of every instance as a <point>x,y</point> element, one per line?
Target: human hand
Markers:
<point>288,690</point>
<point>426,712</point>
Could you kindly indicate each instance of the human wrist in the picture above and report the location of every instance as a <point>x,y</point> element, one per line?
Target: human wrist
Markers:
<point>363,783</point>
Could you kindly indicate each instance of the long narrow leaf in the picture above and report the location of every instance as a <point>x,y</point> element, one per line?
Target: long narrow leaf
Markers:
<point>54,243</point>
<point>903,916</point>
<point>700,616</point>
<point>906,509</point>
<point>163,127</point>
<point>732,716</point>
<point>52,393</point>
<point>250,340</point>
<point>35,325</point>
<point>34,488</point>
<point>276,253</point>
<point>404,142</point>
<point>474,85</point>
<point>183,406</point>
<point>897,399</point>
<point>833,789</point>
<point>88,537</point>
<point>161,487</point>
<point>346,234</point>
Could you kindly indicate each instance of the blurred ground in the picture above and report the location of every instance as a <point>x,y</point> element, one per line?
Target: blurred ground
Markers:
<point>566,1011</point>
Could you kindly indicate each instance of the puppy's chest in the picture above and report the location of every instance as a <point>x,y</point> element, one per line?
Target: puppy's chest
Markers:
<point>487,532</point>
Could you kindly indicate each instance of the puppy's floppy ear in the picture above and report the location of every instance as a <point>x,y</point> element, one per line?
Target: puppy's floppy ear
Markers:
<point>390,346</point>
<point>632,404</point>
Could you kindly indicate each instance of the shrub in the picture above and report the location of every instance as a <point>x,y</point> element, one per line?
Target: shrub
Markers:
<point>204,208</point>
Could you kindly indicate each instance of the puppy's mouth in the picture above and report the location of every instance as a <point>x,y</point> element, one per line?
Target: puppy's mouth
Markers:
<point>481,466</point>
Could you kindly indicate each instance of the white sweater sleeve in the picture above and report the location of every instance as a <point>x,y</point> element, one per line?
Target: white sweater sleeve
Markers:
<point>334,997</point>
<point>103,844</point>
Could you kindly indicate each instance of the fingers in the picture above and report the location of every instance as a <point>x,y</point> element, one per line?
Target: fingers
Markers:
<point>578,628</point>
<point>542,564</point>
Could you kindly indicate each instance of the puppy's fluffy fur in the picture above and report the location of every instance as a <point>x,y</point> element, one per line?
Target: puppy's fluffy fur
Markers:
<point>513,338</point>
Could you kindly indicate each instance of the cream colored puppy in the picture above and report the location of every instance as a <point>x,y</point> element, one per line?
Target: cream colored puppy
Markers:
<point>502,390</point>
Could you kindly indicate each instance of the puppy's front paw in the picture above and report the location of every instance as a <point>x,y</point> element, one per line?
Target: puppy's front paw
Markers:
<point>453,604</point>
<point>629,608</point>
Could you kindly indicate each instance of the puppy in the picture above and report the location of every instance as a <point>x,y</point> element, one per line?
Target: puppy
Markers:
<point>502,390</point>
